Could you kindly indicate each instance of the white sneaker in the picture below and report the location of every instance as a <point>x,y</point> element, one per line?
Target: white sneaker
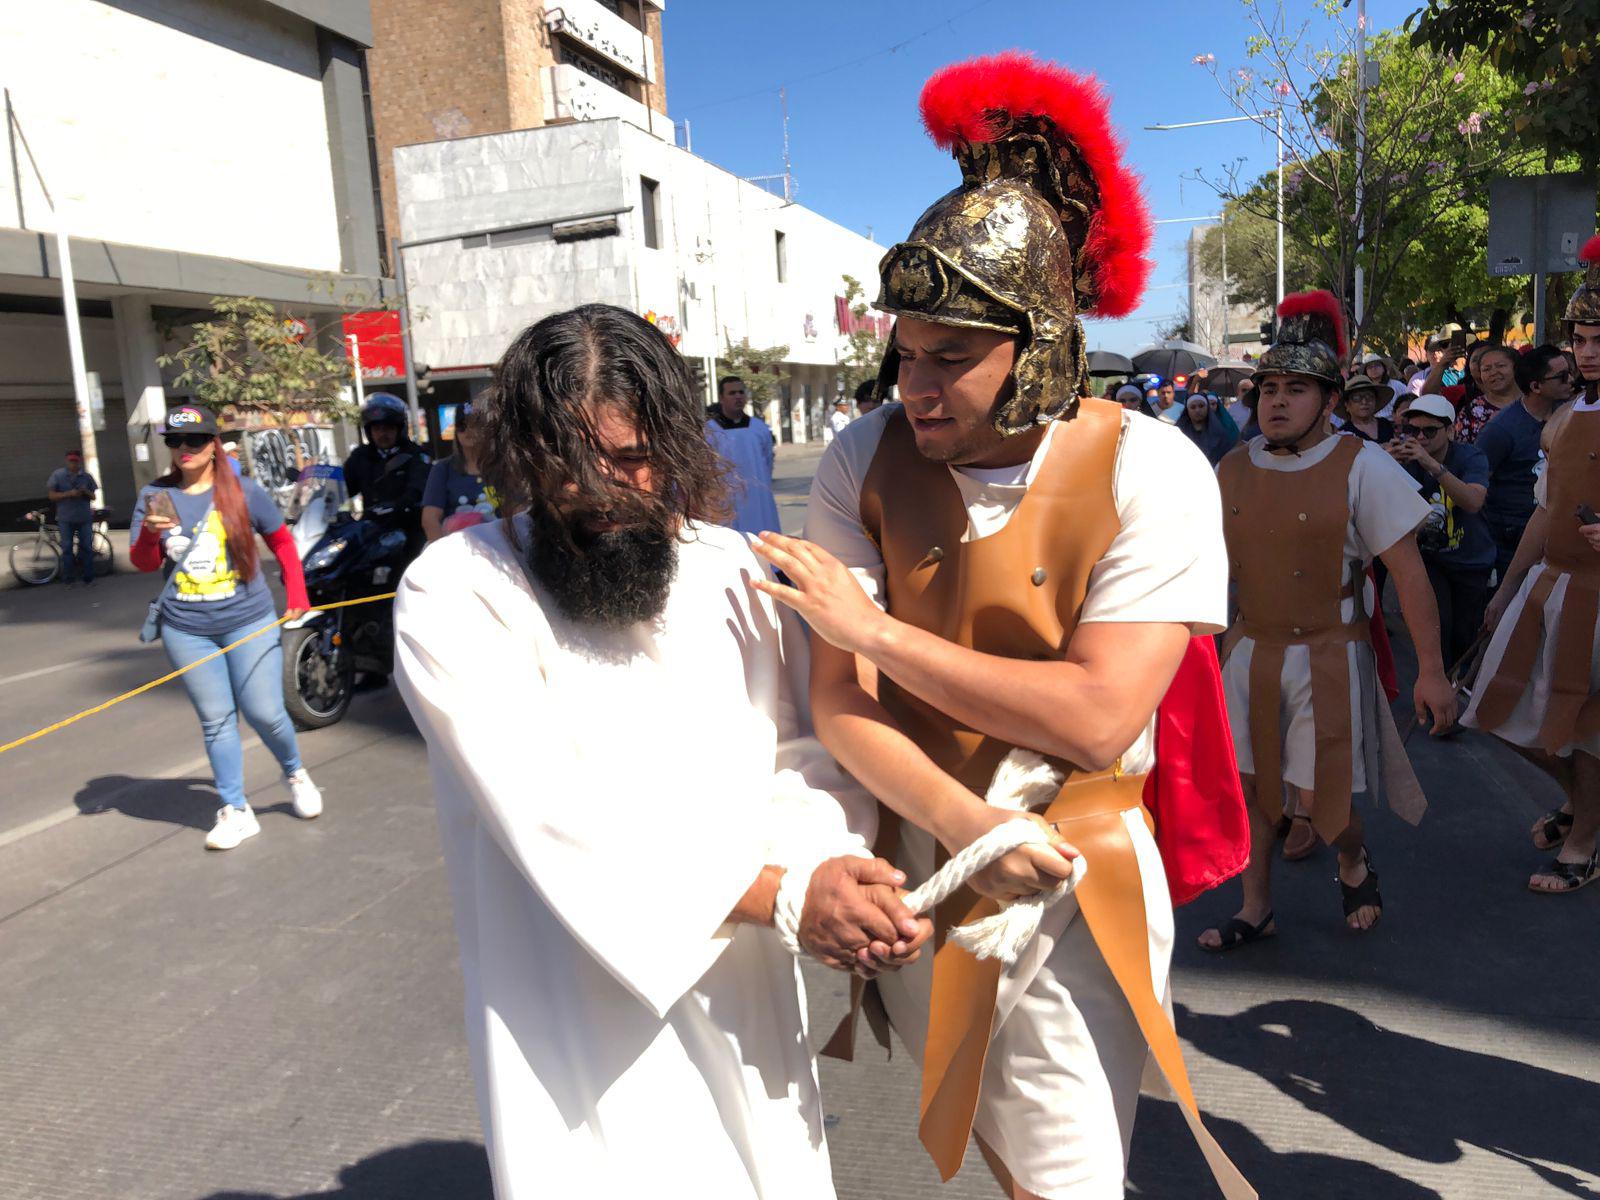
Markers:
<point>232,827</point>
<point>304,795</point>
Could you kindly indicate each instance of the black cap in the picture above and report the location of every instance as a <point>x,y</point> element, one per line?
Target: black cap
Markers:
<point>190,418</point>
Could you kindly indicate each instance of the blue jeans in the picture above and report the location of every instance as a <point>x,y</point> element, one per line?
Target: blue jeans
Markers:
<point>81,533</point>
<point>249,678</point>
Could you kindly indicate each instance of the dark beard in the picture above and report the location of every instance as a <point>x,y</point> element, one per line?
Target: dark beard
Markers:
<point>612,580</point>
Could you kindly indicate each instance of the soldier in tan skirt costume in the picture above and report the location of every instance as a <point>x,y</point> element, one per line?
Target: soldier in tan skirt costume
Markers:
<point>1539,689</point>
<point>1305,512</point>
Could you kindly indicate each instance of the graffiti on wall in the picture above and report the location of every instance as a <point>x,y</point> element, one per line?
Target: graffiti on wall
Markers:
<point>277,456</point>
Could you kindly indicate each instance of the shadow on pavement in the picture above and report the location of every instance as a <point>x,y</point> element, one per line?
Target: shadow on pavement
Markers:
<point>190,802</point>
<point>1415,1097</point>
<point>433,1170</point>
<point>1179,1173</point>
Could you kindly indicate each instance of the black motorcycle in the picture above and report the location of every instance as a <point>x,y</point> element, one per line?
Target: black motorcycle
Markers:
<point>345,558</point>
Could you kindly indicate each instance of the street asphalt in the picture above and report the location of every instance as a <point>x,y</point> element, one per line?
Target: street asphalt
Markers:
<point>284,1020</point>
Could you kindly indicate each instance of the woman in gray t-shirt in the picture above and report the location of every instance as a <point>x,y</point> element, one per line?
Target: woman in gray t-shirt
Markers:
<point>453,484</point>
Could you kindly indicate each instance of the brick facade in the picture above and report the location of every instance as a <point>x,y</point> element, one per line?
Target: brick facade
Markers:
<point>455,68</point>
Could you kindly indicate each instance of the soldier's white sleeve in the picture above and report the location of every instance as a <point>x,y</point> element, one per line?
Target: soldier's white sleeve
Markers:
<point>1169,562</point>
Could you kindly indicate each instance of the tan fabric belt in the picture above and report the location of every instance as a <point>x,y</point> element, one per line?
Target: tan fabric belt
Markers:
<point>1330,707</point>
<point>1089,813</point>
<point>1572,712</point>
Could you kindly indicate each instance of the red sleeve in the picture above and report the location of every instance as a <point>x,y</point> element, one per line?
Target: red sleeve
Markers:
<point>145,552</point>
<point>281,542</point>
<point>1456,393</point>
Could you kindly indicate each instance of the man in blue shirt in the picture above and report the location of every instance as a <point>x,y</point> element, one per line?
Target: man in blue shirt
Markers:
<point>71,490</point>
<point>1510,443</point>
<point>1457,548</point>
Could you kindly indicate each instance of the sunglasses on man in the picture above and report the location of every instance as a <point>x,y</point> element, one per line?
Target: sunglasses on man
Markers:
<point>194,441</point>
<point>1420,430</point>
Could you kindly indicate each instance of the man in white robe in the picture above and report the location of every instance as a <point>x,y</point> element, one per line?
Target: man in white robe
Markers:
<point>629,1015</point>
<point>745,443</point>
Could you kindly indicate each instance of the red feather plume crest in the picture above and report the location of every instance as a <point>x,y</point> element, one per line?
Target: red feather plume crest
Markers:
<point>1591,250</point>
<point>1321,303</point>
<point>968,102</point>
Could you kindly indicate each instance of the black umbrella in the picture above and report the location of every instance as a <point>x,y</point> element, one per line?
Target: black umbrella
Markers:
<point>1172,358</point>
<point>1223,378</point>
<point>1107,362</point>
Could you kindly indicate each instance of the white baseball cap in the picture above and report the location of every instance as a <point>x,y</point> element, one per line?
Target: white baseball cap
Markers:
<point>1434,406</point>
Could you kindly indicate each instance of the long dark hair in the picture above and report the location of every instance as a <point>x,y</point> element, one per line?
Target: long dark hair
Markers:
<point>536,433</point>
<point>227,497</point>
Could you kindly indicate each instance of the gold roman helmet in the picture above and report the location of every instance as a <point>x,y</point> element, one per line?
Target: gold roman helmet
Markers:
<point>1047,224</point>
<point>1310,339</point>
<point>1584,307</point>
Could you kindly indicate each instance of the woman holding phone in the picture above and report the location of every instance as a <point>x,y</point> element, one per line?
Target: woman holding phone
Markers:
<point>199,523</point>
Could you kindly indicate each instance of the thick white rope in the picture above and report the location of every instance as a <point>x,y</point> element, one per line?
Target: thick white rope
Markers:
<point>1023,781</point>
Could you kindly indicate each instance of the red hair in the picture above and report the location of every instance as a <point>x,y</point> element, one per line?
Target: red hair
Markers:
<point>227,497</point>
<point>968,101</point>
<point>1591,250</point>
<point>1323,303</point>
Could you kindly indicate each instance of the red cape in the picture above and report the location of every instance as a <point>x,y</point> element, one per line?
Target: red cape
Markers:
<point>1194,794</point>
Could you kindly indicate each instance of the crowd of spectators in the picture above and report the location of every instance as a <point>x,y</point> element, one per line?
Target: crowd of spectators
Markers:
<point>1465,423</point>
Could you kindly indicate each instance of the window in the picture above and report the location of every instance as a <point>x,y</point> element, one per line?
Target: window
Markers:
<point>783,257</point>
<point>650,211</point>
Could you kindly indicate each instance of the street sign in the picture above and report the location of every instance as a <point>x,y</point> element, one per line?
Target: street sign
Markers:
<point>1538,222</point>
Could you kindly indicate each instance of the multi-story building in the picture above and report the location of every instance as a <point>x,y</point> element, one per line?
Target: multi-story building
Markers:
<point>191,148</point>
<point>504,229</point>
<point>461,68</point>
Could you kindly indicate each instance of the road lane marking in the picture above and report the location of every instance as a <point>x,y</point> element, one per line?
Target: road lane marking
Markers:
<point>66,666</point>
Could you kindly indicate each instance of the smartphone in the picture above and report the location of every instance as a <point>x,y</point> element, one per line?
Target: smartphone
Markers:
<point>1458,340</point>
<point>159,504</point>
<point>1587,515</point>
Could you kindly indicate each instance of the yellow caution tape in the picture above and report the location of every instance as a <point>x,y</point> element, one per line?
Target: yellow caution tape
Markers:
<point>171,675</point>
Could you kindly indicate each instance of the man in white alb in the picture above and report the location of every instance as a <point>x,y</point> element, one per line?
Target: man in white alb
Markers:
<point>630,1013</point>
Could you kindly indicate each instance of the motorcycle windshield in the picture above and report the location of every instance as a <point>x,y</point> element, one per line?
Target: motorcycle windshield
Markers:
<point>321,485</point>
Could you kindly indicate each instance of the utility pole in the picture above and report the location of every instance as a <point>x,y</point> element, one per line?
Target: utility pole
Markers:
<point>1280,210</point>
<point>69,307</point>
<point>417,427</point>
<point>1361,162</point>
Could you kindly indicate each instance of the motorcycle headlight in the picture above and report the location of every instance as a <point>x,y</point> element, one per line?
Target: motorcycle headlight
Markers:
<point>326,555</point>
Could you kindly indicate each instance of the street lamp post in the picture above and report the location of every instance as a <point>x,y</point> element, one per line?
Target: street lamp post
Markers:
<point>1279,139</point>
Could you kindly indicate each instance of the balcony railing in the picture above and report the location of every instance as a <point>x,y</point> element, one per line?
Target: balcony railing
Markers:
<point>605,33</point>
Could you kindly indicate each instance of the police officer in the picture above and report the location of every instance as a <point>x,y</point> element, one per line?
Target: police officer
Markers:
<point>388,470</point>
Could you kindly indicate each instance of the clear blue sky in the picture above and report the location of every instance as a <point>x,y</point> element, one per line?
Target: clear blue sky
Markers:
<point>859,153</point>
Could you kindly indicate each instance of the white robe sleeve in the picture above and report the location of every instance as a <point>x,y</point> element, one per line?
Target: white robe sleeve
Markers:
<point>643,881</point>
<point>818,810</point>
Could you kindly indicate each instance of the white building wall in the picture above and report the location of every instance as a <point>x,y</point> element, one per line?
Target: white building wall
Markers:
<point>712,279</point>
<point>120,106</point>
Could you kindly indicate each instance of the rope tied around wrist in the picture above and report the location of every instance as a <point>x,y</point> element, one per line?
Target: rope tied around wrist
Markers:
<point>1022,781</point>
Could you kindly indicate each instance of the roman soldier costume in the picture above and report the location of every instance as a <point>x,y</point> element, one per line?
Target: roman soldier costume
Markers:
<point>1301,646</point>
<point>1540,691</point>
<point>1046,225</point>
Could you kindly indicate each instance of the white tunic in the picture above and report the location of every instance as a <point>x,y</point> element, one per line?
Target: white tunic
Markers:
<point>748,452</point>
<point>1384,507</point>
<point>604,800</point>
<point>1062,1078</point>
<point>1522,727</point>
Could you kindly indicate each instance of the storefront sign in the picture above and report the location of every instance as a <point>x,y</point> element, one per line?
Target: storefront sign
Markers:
<point>377,335</point>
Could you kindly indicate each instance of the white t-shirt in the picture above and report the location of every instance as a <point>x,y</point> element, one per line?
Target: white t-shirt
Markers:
<point>1168,563</point>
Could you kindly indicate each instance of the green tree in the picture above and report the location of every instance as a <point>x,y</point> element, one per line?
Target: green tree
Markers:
<point>761,368</point>
<point>1547,48</point>
<point>1433,127</point>
<point>865,353</point>
<point>252,360</point>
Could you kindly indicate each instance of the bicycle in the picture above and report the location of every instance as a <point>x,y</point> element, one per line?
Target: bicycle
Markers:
<point>37,560</point>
